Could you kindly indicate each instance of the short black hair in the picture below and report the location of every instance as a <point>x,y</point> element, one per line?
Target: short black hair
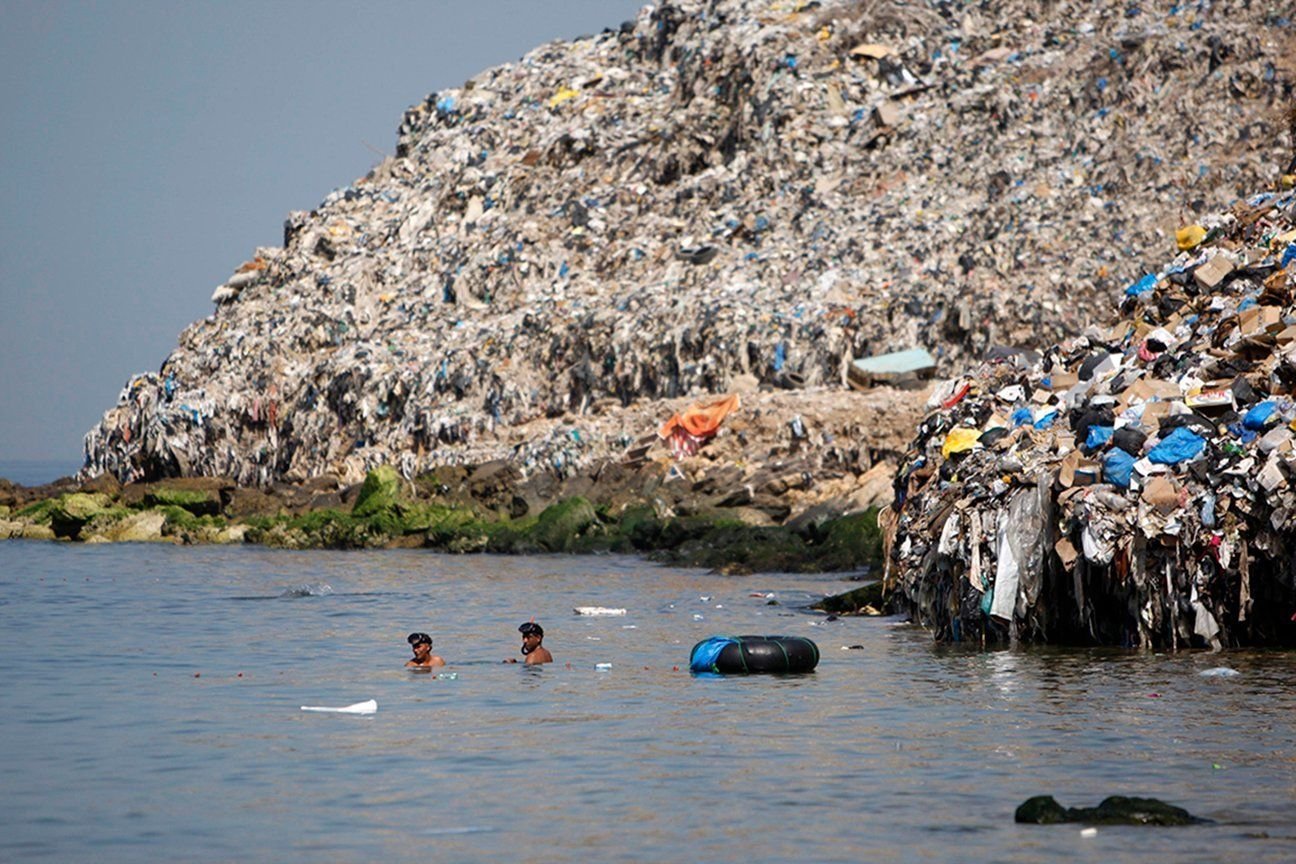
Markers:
<point>419,639</point>
<point>530,628</point>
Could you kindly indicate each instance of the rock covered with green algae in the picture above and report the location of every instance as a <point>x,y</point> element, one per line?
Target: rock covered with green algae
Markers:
<point>1113,810</point>
<point>72,512</point>
<point>386,511</point>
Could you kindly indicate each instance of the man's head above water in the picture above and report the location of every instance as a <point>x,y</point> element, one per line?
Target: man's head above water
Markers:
<point>421,644</point>
<point>532,636</point>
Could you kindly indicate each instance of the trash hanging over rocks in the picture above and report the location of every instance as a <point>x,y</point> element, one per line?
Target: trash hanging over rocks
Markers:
<point>1134,485</point>
<point>712,191</point>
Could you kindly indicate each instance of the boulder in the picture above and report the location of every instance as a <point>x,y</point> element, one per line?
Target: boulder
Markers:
<point>382,491</point>
<point>70,514</point>
<point>34,531</point>
<point>1113,810</point>
<point>560,524</point>
<point>105,483</point>
<point>142,527</point>
<point>200,502</point>
<point>246,502</point>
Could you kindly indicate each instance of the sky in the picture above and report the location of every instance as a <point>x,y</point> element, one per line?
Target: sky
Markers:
<point>150,147</point>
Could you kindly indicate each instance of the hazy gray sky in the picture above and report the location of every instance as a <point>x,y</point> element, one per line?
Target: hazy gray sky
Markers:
<point>149,147</point>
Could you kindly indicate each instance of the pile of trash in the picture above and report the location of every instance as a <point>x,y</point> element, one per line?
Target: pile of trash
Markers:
<point>715,190</point>
<point>1134,485</point>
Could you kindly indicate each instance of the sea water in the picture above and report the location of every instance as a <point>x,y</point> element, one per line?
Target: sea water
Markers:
<point>152,702</point>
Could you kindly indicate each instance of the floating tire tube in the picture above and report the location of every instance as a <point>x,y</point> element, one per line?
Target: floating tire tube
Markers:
<point>744,655</point>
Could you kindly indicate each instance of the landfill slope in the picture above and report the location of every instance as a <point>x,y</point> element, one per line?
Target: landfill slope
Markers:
<point>716,192</point>
<point>1135,485</point>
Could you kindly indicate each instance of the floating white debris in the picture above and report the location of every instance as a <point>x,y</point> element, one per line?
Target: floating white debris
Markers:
<point>598,611</point>
<point>368,707</point>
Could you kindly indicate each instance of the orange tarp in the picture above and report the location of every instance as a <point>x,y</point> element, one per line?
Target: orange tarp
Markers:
<point>700,420</point>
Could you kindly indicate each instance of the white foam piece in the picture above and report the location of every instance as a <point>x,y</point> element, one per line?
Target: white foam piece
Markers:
<point>368,707</point>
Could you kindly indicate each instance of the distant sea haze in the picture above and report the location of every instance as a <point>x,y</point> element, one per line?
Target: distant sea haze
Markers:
<point>36,472</point>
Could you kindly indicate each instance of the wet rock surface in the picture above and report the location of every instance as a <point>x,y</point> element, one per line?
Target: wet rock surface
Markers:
<point>1114,810</point>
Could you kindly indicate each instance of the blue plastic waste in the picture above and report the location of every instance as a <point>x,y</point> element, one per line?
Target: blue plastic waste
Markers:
<point>1022,417</point>
<point>1118,466</point>
<point>1147,283</point>
<point>1046,421</point>
<point>707,651</point>
<point>1179,446</point>
<point>1260,415</point>
<point>1098,436</point>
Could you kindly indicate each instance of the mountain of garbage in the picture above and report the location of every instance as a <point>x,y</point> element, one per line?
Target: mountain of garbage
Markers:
<point>1134,485</point>
<point>716,192</point>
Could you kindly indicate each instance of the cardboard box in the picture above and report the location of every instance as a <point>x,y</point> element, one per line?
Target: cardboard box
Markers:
<point>1259,320</point>
<point>1063,381</point>
<point>1162,494</point>
<point>1150,389</point>
<point>1213,272</point>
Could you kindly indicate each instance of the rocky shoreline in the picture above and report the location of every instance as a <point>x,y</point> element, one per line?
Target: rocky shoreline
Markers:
<point>787,483</point>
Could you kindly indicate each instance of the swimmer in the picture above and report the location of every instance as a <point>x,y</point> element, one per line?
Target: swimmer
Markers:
<point>423,656</point>
<point>532,636</point>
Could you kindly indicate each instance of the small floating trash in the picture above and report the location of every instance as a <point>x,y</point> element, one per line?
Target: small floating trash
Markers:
<point>322,589</point>
<point>1219,672</point>
<point>598,611</point>
<point>367,707</point>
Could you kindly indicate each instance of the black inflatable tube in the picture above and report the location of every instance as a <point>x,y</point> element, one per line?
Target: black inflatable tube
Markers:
<point>746,655</point>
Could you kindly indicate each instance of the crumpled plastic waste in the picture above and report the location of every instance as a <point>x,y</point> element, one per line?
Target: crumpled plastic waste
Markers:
<point>1163,498</point>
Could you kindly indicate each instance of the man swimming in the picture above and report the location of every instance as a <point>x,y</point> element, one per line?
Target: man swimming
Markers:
<point>532,636</point>
<point>421,643</point>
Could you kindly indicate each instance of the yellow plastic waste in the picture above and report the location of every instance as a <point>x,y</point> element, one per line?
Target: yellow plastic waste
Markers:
<point>1189,236</point>
<point>1288,181</point>
<point>960,440</point>
<point>563,94</point>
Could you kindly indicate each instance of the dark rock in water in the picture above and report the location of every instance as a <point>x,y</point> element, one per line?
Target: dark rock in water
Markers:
<point>870,599</point>
<point>1114,810</point>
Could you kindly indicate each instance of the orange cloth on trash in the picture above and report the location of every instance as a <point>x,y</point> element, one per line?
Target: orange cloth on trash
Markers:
<point>700,420</point>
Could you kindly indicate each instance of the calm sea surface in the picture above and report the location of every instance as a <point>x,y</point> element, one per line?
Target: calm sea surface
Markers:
<point>152,696</point>
<point>37,472</point>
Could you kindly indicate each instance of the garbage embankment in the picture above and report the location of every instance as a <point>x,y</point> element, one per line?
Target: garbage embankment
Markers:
<point>1134,485</point>
<point>714,190</point>
<point>790,202</point>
